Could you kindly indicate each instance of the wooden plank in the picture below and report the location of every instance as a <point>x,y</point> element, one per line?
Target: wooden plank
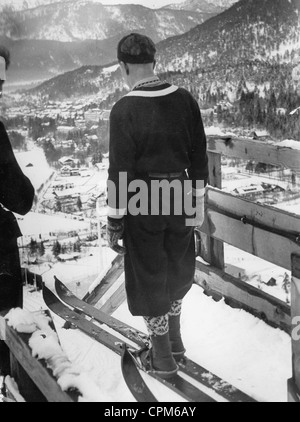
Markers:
<point>115,301</point>
<point>218,284</point>
<point>29,390</point>
<point>112,275</point>
<point>257,241</point>
<point>212,250</point>
<point>272,247</point>
<point>293,392</point>
<point>295,313</point>
<point>263,214</point>
<point>249,149</point>
<point>41,377</point>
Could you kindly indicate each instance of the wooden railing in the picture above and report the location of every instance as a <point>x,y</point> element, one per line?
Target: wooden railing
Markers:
<point>264,231</point>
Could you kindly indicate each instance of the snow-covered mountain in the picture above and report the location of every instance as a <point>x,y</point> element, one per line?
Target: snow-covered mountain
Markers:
<point>225,4</point>
<point>253,45</point>
<point>54,38</point>
<point>255,40</point>
<point>252,29</point>
<point>25,4</point>
<point>207,6</point>
<point>80,20</point>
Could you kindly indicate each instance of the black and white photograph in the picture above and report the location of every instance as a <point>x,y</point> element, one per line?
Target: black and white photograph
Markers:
<point>149,203</point>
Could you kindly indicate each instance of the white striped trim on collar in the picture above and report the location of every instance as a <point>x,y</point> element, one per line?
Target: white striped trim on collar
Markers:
<point>152,94</point>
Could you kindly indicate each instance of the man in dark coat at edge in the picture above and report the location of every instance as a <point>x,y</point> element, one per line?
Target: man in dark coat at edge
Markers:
<point>156,134</point>
<point>16,196</point>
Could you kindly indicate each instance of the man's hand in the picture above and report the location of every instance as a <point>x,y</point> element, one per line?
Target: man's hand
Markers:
<point>115,232</point>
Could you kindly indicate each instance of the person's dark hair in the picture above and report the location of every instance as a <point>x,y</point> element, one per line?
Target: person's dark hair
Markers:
<point>4,52</point>
<point>136,49</point>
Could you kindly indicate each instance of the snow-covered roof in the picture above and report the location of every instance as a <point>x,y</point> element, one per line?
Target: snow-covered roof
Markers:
<point>249,189</point>
<point>64,160</point>
<point>66,257</point>
<point>65,128</point>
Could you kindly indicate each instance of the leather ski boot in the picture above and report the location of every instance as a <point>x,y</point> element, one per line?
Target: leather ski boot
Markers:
<point>159,359</point>
<point>178,349</point>
<point>176,342</point>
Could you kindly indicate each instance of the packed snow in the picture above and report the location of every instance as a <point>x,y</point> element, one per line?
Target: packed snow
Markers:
<point>35,224</point>
<point>230,343</point>
<point>34,164</point>
<point>44,345</point>
<point>290,143</point>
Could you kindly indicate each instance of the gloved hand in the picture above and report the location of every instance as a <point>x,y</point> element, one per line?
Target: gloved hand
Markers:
<point>199,205</point>
<point>115,232</point>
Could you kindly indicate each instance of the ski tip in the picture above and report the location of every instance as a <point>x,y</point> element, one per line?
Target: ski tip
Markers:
<point>61,289</point>
<point>58,284</point>
<point>48,296</point>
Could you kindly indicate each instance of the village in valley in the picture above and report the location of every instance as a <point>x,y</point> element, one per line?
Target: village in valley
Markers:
<point>62,151</point>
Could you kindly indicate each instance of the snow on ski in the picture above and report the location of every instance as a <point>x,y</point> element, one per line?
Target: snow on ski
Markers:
<point>76,320</point>
<point>187,366</point>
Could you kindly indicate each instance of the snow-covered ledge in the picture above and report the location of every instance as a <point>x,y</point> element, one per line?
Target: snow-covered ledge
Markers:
<point>43,346</point>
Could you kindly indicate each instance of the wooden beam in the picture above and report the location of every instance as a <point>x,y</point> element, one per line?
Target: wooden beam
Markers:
<point>212,250</point>
<point>30,390</point>
<point>266,227</point>
<point>112,275</point>
<point>237,294</point>
<point>39,374</point>
<point>253,240</point>
<point>263,214</point>
<point>115,301</point>
<point>293,392</point>
<point>259,151</point>
<point>295,313</point>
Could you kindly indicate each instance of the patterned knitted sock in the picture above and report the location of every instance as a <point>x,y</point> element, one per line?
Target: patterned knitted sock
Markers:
<point>157,326</point>
<point>176,308</point>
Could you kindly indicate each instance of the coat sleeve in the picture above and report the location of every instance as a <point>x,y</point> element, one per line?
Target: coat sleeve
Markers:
<point>198,172</point>
<point>122,159</point>
<point>16,190</point>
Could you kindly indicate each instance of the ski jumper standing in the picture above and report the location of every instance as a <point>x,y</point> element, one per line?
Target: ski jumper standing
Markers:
<point>156,134</point>
<point>16,195</point>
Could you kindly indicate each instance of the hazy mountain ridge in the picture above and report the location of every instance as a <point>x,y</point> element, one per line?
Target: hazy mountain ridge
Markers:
<point>35,60</point>
<point>98,81</point>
